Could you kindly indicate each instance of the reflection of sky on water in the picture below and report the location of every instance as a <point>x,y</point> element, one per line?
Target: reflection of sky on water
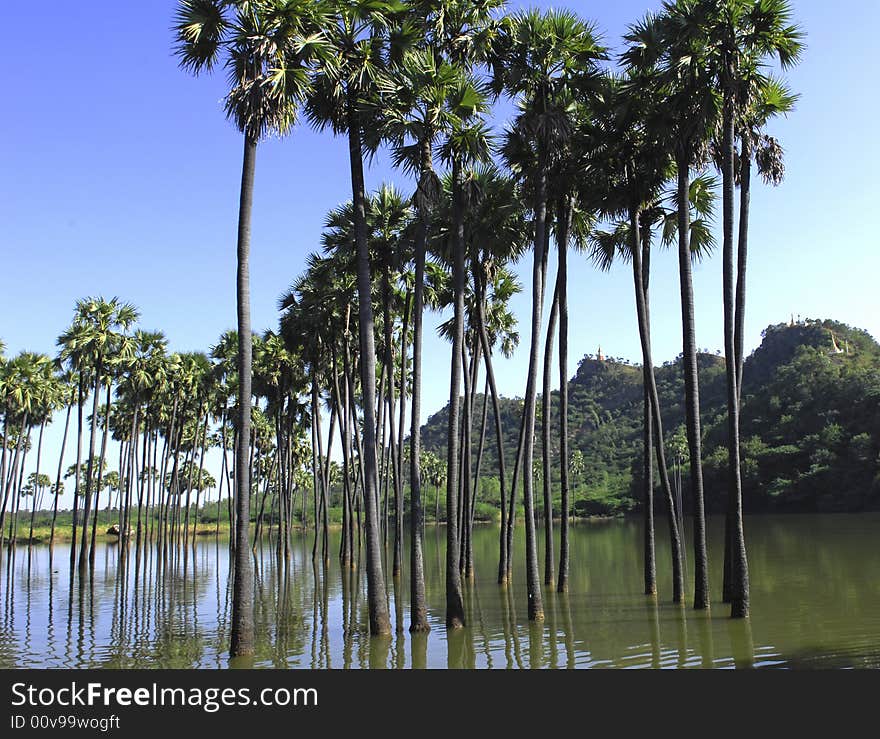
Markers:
<point>814,598</point>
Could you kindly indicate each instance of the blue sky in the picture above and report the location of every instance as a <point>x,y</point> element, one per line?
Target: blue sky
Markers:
<point>121,177</point>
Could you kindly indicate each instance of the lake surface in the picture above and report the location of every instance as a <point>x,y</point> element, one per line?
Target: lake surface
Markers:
<point>815,603</point>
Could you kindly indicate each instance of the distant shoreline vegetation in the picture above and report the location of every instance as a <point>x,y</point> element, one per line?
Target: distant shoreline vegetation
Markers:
<point>810,432</point>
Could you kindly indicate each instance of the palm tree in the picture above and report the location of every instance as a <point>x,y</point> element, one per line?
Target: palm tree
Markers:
<point>672,62</point>
<point>628,170</point>
<point>265,45</point>
<point>465,145</point>
<point>497,233</point>
<point>540,56</point>
<point>25,385</point>
<point>740,35</point>
<point>418,88</point>
<point>452,36</point>
<point>357,34</point>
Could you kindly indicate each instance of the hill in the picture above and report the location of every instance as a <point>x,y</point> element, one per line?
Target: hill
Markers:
<point>810,426</point>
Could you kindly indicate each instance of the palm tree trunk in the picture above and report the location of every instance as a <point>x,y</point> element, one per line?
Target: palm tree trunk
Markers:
<point>692,390</point>
<point>647,362</point>
<point>93,438</point>
<point>242,636</point>
<point>739,321</point>
<point>37,485</point>
<point>464,478</point>
<point>79,426</point>
<point>650,566</point>
<point>418,598</point>
<point>380,623</point>
<point>533,585</point>
<point>100,477</point>
<point>3,456</point>
<point>454,605</point>
<point>469,568</point>
<point>315,460</point>
<point>563,230</point>
<point>401,426</point>
<point>745,186</point>
<point>502,473</point>
<point>739,564</point>
<point>546,398</point>
<point>60,467</point>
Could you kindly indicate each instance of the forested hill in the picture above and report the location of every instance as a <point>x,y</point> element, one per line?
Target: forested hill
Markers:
<point>810,425</point>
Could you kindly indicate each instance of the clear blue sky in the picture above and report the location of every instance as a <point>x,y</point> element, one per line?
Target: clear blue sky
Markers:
<point>121,177</point>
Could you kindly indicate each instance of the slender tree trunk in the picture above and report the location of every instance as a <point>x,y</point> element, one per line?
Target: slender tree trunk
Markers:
<point>418,598</point>
<point>3,456</point>
<point>242,636</point>
<point>650,566</point>
<point>464,474</point>
<point>100,477</point>
<point>739,564</point>
<point>647,362</point>
<point>380,623</point>
<point>514,487</point>
<point>76,490</point>
<point>533,585</point>
<point>499,438</point>
<point>739,328</point>
<point>315,460</point>
<point>93,438</point>
<point>546,398</point>
<point>400,432</point>
<point>469,563</point>
<point>745,187</point>
<point>454,605</point>
<point>37,485</point>
<point>563,230</point>
<point>392,440</point>
<point>692,390</point>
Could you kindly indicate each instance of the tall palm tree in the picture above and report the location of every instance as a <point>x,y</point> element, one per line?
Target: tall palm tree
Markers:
<point>497,233</point>
<point>740,36</point>
<point>360,45</point>
<point>628,169</point>
<point>574,222</point>
<point>672,62</point>
<point>539,57</point>
<point>265,45</point>
<point>466,144</point>
<point>451,35</point>
<point>418,88</point>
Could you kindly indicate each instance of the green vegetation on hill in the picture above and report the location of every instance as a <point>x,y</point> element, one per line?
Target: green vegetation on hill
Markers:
<point>810,426</point>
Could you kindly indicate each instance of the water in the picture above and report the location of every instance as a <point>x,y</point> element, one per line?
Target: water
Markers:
<point>815,603</point>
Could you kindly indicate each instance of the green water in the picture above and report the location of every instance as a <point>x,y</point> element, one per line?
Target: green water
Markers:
<point>815,603</point>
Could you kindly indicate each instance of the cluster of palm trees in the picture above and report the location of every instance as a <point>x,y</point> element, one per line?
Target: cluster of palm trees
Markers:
<point>164,412</point>
<point>602,159</point>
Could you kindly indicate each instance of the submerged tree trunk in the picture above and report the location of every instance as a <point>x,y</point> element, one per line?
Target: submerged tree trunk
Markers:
<point>563,230</point>
<point>549,576</point>
<point>650,566</point>
<point>380,623</point>
<point>739,592</point>
<point>739,327</point>
<point>242,637</point>
<point>60,467</point>
<point>499,438</point>
<point>692,391</point>
<point>100,477</point>
<point>454,605</point>
<point>647,362</point>
<point>418,598</point>
<point>533,585</point>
